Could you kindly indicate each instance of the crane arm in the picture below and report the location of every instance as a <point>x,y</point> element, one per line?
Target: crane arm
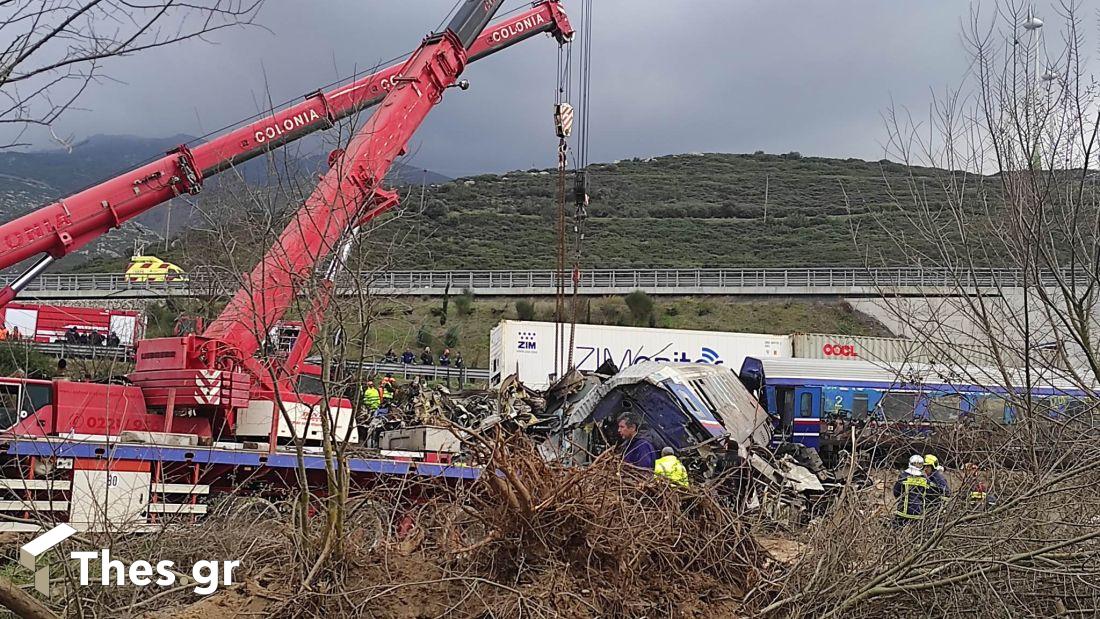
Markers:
<point>351,190</point>
<point>62,227</point>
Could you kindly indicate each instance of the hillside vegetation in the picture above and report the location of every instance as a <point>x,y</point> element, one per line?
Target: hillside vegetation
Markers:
<point>673,211</point>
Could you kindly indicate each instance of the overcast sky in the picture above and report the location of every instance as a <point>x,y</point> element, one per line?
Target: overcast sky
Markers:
<point>669,76</point>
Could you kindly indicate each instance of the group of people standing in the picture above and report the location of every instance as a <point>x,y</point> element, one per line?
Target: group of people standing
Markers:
<point>91,337</point>
<point>426,358</point>
<point>922,489</point>
<point>380,396</point>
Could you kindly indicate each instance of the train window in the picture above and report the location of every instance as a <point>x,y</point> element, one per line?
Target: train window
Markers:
<point>898,406</point>
<point>992,407</point>
<point>859,406</point>
<point>806,405</point>
<point>945,408</point>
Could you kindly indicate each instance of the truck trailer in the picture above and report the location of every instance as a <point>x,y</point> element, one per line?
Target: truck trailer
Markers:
<point>527,348</point>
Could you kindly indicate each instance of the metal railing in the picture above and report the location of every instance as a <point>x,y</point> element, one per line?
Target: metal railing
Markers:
<point>596,281</point>
<point>81,351</point>
<point>431,372</point>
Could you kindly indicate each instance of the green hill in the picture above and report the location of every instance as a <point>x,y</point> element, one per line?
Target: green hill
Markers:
<point>674,211</point>
<point>713,210</point>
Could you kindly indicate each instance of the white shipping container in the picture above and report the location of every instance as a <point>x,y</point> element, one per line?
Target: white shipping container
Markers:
<point>855,348</point>
<point>527,348</point>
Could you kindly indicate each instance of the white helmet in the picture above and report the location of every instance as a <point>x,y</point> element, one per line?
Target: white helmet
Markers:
<point>916,461</point>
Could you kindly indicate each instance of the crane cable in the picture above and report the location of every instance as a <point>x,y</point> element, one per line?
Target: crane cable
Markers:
<point>580,184</point>
<point>563,124</point>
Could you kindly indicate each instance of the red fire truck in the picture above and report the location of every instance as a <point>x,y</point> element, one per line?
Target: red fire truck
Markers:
<point>49,323</point>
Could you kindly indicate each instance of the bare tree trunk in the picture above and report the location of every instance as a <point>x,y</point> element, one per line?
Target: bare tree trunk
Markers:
<point>21,603</point>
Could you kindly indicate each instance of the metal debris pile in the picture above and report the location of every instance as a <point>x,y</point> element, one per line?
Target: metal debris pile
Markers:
<point>725,444</point>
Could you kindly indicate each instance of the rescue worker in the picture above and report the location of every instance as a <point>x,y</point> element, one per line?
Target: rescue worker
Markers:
<point>389,388</point>
<point>913,492</point>
<point>637,450</point>
<point>670,467</point>
<point>426,356</point>
<point>977,492</point>
<point>460,365</point>
<point>445,358</point>
<point>934,473</point>
<point>390,356</point>
<point>407,357</point>
<point>372,397</point>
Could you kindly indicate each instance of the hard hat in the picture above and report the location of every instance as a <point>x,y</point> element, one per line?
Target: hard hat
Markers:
<point>668,451</point>
<point>916,461</point>
<point>930,460</point>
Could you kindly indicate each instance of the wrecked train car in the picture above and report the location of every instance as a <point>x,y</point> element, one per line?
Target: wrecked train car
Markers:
<point>694,408</point>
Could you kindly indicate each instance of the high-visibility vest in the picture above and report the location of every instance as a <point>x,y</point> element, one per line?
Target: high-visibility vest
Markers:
<point>388,388</point>
<point>672,469</point>
<point>909,486</point>
<point>372,398</point>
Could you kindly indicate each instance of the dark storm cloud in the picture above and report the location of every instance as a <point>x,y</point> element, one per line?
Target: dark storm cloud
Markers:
<point>669,76</point>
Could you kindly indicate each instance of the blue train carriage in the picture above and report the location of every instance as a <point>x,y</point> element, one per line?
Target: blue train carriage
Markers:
<point>817,403</point>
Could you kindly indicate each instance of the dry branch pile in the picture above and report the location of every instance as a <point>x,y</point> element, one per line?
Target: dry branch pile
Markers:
<point>617,540</point>
<point>1033,552</point>
<point>543,540</point>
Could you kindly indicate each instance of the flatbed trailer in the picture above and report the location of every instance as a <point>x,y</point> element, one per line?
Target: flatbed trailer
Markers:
<point>109,485</point>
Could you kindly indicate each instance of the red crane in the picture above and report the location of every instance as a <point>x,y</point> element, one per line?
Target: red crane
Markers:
<point>214,378</point>
<point>65,226</point>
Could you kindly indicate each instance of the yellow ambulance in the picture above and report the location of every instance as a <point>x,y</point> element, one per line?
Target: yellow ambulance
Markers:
<point>149,269</point>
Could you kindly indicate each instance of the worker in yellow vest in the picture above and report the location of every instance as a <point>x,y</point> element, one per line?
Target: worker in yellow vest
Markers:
<point>670,467</point>
<point>372,397</point>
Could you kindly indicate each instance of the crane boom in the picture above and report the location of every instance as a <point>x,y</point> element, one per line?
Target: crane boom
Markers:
<point>216,373</point>
<point>350,193</point>
<point>62,227</point>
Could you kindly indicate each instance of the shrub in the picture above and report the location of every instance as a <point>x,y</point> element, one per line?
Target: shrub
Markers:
<point>641,306</point>
<point>525,309</point>
<point>450,339</point>
<point>464,303</point>
<point>611,312</point>
<point>424,337</point>
<point>19,357</point>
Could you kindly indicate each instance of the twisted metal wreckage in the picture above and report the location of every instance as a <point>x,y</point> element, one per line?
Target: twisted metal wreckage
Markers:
<point>702,411</point>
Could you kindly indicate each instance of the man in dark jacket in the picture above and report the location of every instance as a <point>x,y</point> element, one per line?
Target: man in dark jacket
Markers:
<point>637,450</point>
<point>407,357</point>
<point>914,493</point>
